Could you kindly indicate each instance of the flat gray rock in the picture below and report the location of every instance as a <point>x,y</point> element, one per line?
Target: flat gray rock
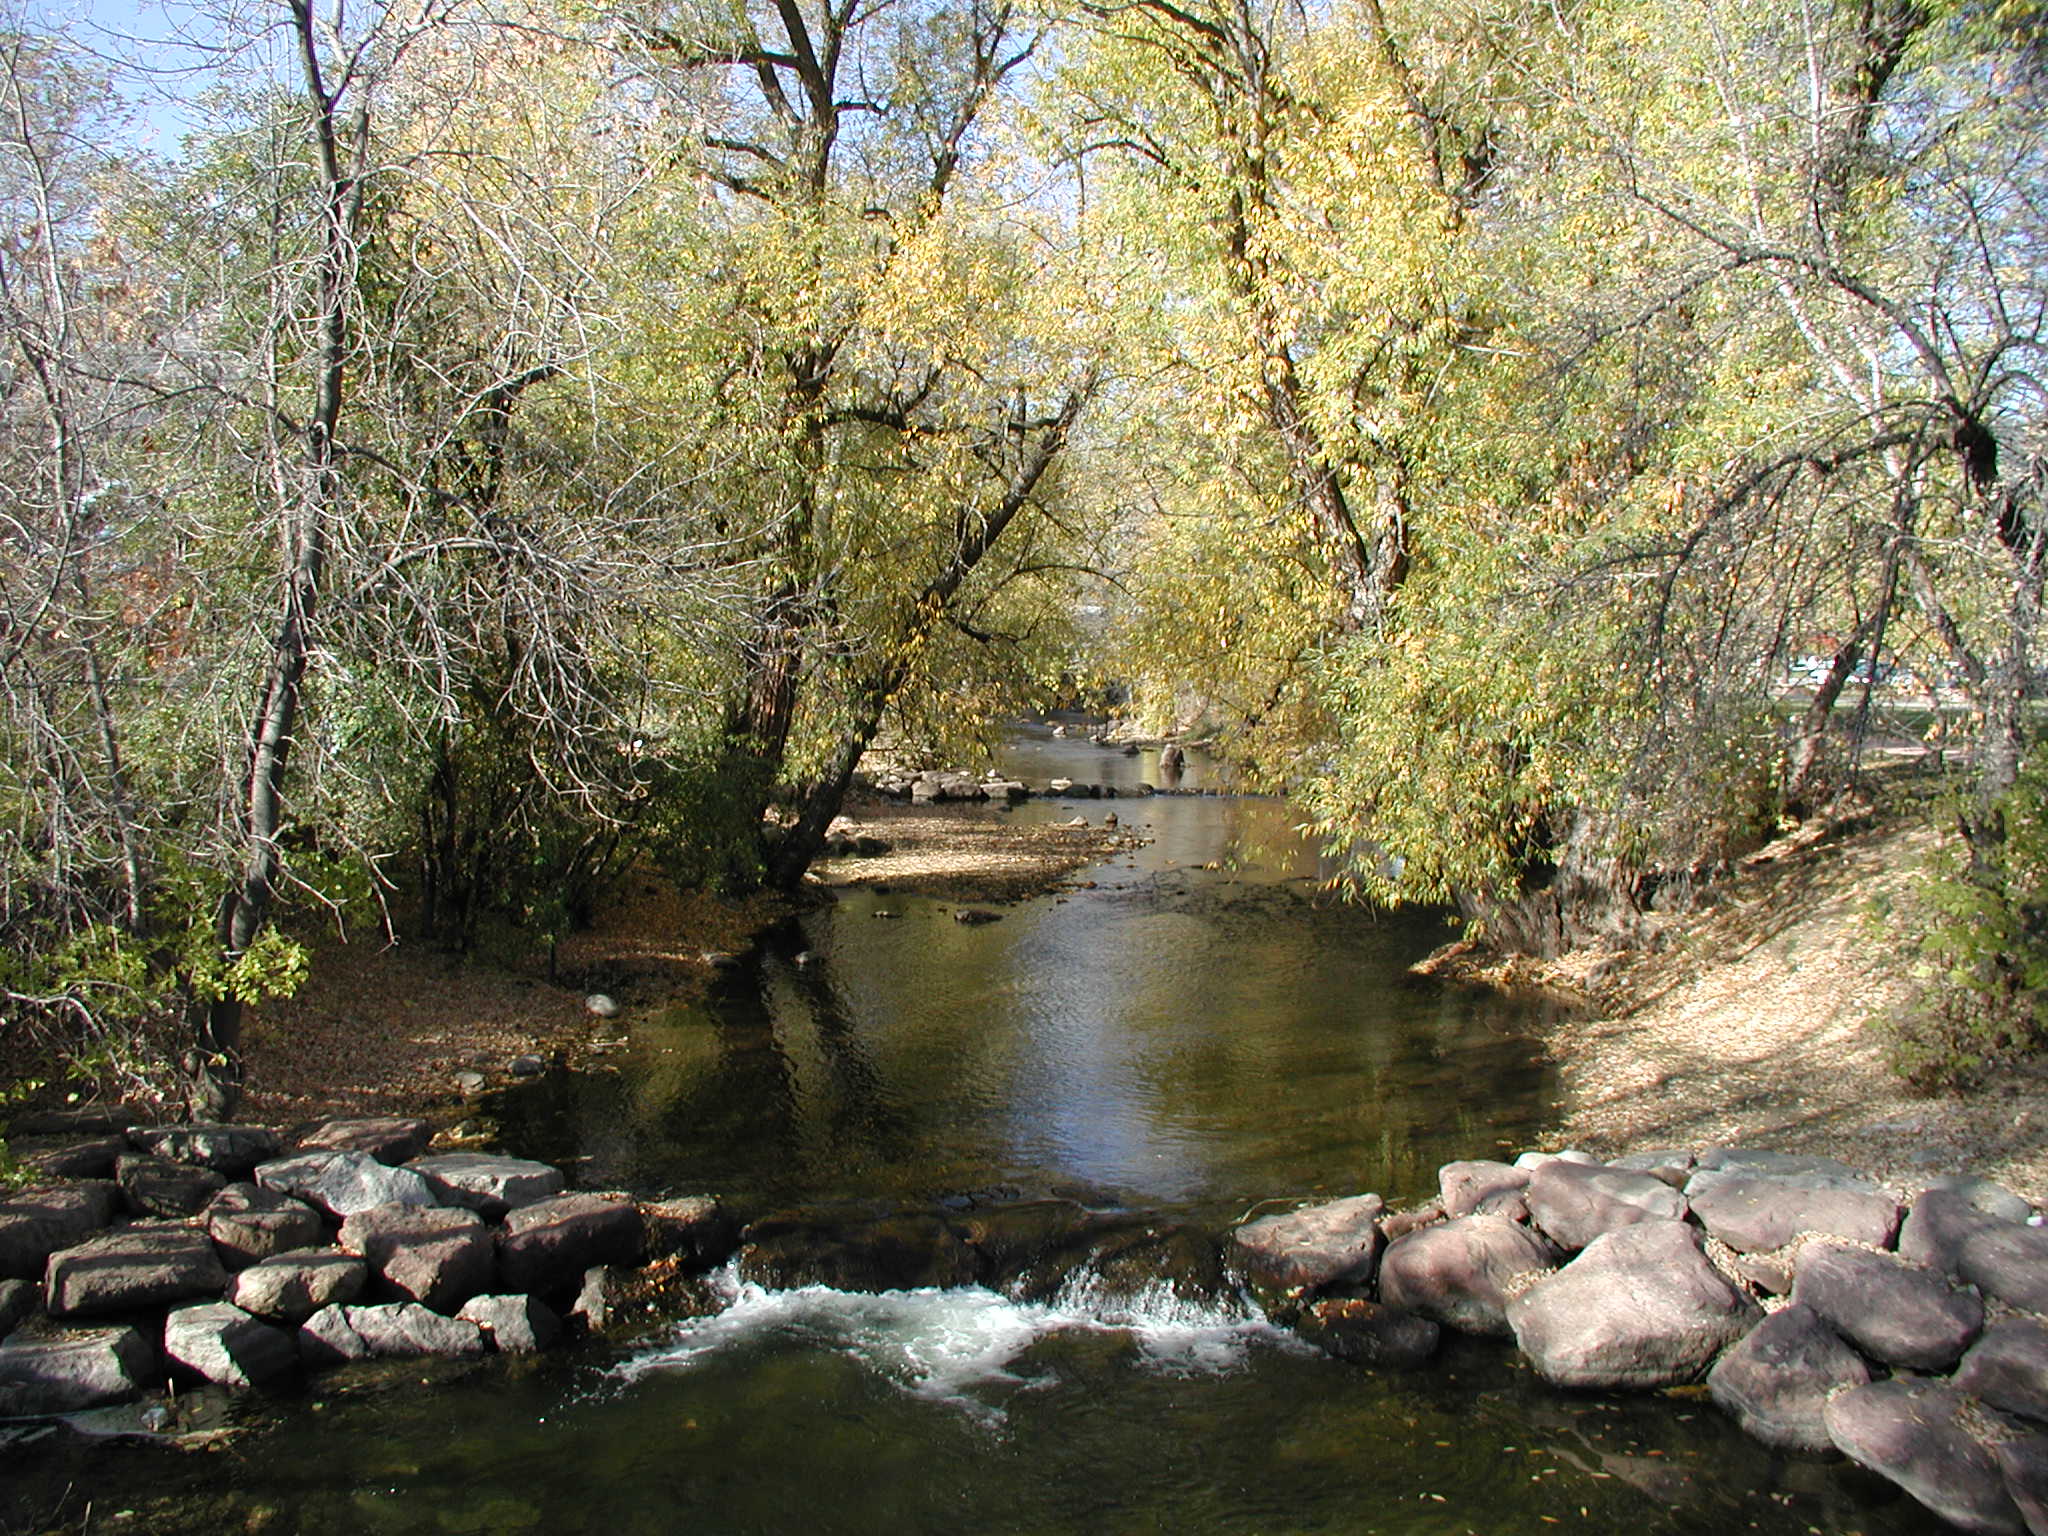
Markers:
<point>79,1369</point>
<point>1754,1213</point>
<point>137,1267</point>
<point>515,1325</point>
<point>223,1344</point>
<point>1310,1249</point>
<point>1666,1163</point>
<point>92,1159</point>
<point>2008,1368</point>
<point>1913,1433</point>
<point>2009,1262</point>
<point>1574,1203</point>
<point>249,1224</point>
<point>37,1222</point>
<point>343,1183</point>
<point>159,1186</point>
<point>1641,1307</point>
<point>439,1256</point>
<point>1981,1194</point>
<point>1458,1273</point>
<point>1895,1312</point>
<point>545,1248</point>
<point>1465,1186</point>
<point>388,1138</point>
<point>1790,1167</point>
<point>291,1287</point>
<point>486,1183</point>
<point>327,1338</point>
<point>1776,1380</point>
<point>1367,1333</point>
<point>406,1329</point>
<point>231,1150</point>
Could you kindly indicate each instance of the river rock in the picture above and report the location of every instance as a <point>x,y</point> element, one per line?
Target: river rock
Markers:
<point>157,1186</point>
<point>1913,1433</point>
<point>1459,1272</point>
<point>137,1267</point>
<point>1754,1213</point>
<point>2010,1262</point>
<point>404,1329</point>
<point>248,1224</point>
<point>1895,1312</point>
<point>343,1183</point>
<point>2008,1368</point>
<point>2024,1462</point>
<point>78,1160</point>
<point>1981,1194</point>
<point>1788,1167</point>
<point>515,1325</point>
<point>439,1256</point>
<point>1775,1381</point>
<point>1367,1333</point>
<point>1574,1203</point>
<point>1334,1243</point>
<point>232,1150</point>
<point>1641,1307</point>
<point>291,1287</point>
<point>37,1222</point>
<point>19,1301</point>
<point>544,1248</point>
<point>596,1300</point>
<point>485,1183</point>
<point>328,1338</point>
<point>390,1139</point>
<point>225,1345</point>
<point>1668,1164</point>
<point>1465,1186</point>
<point>1941,1221</point>
<point>1398,1224</point>
<point>79,1369</point>
<point>693,1228</point>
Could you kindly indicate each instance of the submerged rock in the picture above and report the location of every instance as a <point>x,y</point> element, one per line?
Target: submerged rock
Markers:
<point>1367,1333</point>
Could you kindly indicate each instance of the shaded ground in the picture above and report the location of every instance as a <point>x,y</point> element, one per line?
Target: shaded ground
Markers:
<point>1754,1025</point>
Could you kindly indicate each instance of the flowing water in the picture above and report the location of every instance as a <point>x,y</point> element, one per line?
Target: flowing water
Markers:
<point>1190,1030</point>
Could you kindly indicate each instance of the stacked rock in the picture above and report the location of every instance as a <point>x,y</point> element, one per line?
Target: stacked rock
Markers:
<point>1822,1314</point>
<point>207,1252</point>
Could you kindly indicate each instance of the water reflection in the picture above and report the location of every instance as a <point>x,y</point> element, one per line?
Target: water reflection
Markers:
<point>1199,1031</point>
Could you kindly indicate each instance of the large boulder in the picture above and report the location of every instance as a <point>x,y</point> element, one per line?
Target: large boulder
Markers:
<point>37,1222</point>
<point>1575,1202</point>
<point>2024,1461</point>
<point>223,1344</point>
<point>1465,1186</point>
<point>545,1248</point>
<point>249,1224</point>
<point>1776,1380</point>
<point>1787,1167</point>
<point>2010,1262</point>
<point>514,1325</point>
<point>389,1139</point>
<point>1288,1255</point>
<point>1641,1307</point>
<point>1754,1213</point>
<point>439,1256</point>
<point>2008,1368</point>
<point>1461,1272</point>
<point>1915,1433</point>
<point>291,1287</point>
<point>342,1183</point>
<point>1941,1221</point>
<point>485,1183</point>
<point>1980,1194</point>
<point>1368,1333</point>
<point>83,1368</point>
<point>1895,1312</point>
<point>229,1150</point>
<point>137,1267</point>
<point>160,1186</point>
<point>406,1329</point>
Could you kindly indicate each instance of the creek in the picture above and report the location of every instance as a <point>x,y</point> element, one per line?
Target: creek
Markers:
<point>1191,1030</point>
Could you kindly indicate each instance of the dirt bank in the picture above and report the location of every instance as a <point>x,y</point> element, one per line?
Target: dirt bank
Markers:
<point>1753,1024</point>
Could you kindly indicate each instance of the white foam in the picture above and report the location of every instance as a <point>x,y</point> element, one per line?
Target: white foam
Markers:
<point>943,1345</point>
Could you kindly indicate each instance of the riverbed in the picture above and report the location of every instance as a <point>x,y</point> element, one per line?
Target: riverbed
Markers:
<point>1193,1030</point>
